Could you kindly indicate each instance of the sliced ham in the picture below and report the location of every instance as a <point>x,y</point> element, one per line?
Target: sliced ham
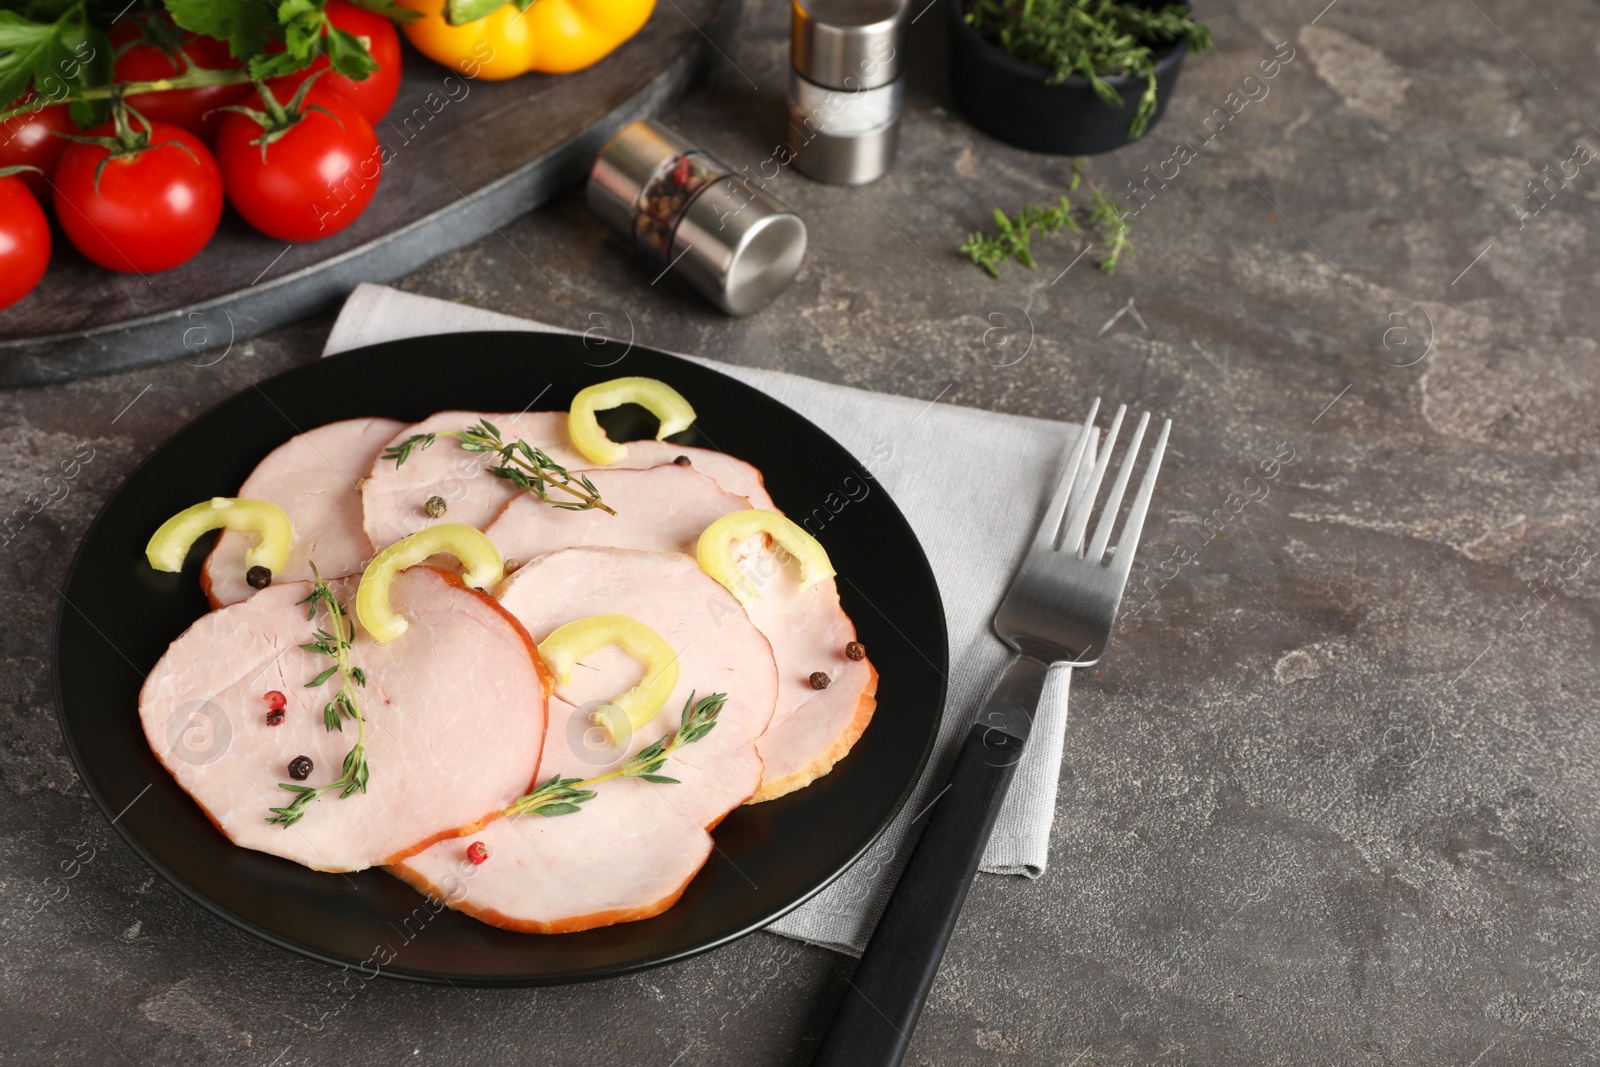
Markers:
<point>665,509</point>
<point>662,509</point>
<point>734,475</point>
<point>313,477</point>
<point>625,856</point>
<point>393,497</point>
<point>812,729</point>
<point>628,853</point>
<point>455,712</point>
<point>719,651</point>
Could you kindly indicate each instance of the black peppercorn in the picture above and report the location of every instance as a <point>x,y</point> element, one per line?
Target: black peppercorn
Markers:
<point>258,577</point>
<point>682,461</point>
<point>819,680</point>
<point>435,506</point>
<point>300,768</point>
<point>275,717</point>
<point>855,650</point>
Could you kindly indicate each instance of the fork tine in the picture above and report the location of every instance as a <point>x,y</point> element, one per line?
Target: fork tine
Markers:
<point>1078,521</point>
<point>1113,504</point>
<point>1141,504</point>
<point>1051,525</point>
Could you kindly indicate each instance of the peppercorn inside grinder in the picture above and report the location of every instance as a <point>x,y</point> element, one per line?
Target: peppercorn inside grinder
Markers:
<point>685,211</point>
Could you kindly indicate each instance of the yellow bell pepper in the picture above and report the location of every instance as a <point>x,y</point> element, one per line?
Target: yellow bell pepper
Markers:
<point>468,544</point>
<point>170,545</point>
<point>552,36</point>
<point>656,397</point>
<point>568,644</point>
<point>715,550</point>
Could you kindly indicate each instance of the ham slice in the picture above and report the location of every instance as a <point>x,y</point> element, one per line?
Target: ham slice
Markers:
<point>313,477</point>
<point>812,729</point>
<point>631,850</point>
<point>393,497</point>
<point>665,509</point>
<point>455,712</point>
<point>662,509</point>
<point>626,856</point>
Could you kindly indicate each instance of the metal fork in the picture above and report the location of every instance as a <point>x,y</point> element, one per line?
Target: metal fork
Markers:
<point>1060,608</point>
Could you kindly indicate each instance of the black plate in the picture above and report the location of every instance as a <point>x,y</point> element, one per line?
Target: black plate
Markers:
<point>117,617</point>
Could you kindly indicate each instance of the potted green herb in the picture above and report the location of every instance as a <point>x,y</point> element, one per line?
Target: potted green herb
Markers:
<point>1068,76</point>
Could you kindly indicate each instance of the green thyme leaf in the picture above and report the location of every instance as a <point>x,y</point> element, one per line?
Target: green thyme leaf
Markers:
<point>562,796</point>
<point>1096,39</point>
<point>1014,240</point>
<point>528,468</point>
<point>334,642</point>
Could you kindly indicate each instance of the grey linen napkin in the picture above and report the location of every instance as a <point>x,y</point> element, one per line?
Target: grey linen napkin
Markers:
<point>974,539</point>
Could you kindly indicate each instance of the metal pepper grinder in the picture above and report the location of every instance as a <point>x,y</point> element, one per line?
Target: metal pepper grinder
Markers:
<point>685,210</point>
<point>846,88</point>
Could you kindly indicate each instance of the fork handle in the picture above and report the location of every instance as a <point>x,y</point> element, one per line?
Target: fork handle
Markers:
<point>873,1025</point>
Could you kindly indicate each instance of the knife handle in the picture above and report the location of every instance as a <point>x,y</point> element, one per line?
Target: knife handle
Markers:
<point>873,1025</point>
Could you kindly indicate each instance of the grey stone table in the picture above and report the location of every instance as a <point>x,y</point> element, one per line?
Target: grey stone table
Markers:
<point>1331,797</point>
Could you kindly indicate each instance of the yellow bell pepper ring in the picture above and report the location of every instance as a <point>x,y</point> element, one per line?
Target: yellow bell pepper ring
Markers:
<point>551,36</point>
<point>468,544</point>
<point>656,397</point>
<point>568,644</point>
<point>171,542</point>
<point>715,550</point>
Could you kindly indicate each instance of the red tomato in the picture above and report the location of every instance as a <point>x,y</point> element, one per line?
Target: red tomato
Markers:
<point>153,209</point>
<point>313,181</point>
<point>31,141</point>
<point>24,241</point>
<point>193,109</point>
<point>374,94</point>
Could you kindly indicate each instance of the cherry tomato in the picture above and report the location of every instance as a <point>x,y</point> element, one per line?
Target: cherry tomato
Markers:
<point>374,94</point>
<point>313,180</point>
<point>157,50</point>
<point>30,141</point>
<point>24,241</point>
<point>153,209</point>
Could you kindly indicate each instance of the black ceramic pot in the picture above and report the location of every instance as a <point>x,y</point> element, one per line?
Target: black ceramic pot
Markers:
<point>1008,98</point>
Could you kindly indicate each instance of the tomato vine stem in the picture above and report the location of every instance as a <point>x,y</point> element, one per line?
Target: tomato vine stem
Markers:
<point>194,79</point>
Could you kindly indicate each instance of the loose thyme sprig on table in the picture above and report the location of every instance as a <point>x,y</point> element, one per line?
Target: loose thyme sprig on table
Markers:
<point>334,643</point>
<point>562,796</point>
<point>1016,234</point>
<point>1015,238</point>
<point>521,464</point>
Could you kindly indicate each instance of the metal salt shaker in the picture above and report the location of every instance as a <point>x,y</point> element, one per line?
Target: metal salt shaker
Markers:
<point>686,211</point>
<point>846,87</point>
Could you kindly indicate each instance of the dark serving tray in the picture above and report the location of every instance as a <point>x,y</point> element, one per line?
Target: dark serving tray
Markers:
<point>466,157</point>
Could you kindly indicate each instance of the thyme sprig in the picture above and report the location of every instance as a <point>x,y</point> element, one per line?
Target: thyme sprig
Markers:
<point>1095,38</point>
<point>333,642</point>
<point>521,464</point>
<point>1016,235</point>
<point>562,796</point>
<point>1108,218</point>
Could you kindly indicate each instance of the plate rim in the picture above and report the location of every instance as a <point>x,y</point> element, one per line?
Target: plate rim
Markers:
<point>418,975</point>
